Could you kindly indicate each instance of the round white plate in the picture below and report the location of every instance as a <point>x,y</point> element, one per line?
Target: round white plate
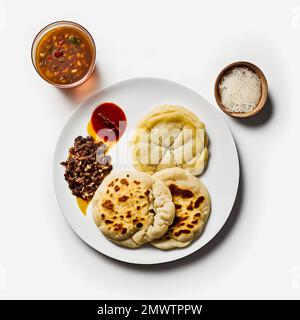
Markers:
<point>137,97</point>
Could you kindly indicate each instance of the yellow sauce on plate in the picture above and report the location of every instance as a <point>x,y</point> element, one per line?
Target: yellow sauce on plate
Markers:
<point>82,204</point>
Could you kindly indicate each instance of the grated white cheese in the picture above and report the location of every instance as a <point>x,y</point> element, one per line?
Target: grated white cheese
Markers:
<point>240,90</point>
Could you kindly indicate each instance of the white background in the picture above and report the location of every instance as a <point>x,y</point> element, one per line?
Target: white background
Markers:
<point>257,254</point>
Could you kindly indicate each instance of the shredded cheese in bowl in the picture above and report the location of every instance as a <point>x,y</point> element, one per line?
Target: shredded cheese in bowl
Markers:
<point>240,90</point>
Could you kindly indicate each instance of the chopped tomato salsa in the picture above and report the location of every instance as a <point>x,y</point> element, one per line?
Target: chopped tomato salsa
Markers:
<point>64,55</point>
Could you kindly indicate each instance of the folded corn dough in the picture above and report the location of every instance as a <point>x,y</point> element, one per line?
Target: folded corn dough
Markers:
<point>132,208</point>
<point>170,136</point>
<point>192,208</point>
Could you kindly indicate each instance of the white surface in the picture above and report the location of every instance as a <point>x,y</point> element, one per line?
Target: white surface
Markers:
<point>137,97</point>
<point>257,255</point>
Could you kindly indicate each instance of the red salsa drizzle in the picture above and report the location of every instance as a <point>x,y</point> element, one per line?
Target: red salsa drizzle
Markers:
<point>109,122</point>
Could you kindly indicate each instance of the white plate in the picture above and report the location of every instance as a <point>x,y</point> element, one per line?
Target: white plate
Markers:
<point>137,97</point>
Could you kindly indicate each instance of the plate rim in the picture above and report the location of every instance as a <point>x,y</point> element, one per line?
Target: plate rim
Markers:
<point>116,84</point>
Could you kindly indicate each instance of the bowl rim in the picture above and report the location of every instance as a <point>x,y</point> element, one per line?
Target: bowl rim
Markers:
<point>264,89</point>
<point>51,26</point>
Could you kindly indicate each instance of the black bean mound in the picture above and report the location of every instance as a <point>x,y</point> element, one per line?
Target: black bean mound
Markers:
<point>86,167</point>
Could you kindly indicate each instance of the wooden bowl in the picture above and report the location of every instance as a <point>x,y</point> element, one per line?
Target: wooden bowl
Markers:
<point>264,89</point>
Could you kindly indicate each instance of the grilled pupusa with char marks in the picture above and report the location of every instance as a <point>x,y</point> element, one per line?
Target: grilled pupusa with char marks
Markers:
<point>131,208</point>
<point>192,208</point>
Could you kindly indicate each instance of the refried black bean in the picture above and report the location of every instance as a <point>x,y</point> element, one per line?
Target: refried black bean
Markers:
<point>86,167</point>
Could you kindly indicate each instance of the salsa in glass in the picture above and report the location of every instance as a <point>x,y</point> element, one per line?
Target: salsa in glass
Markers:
<point>65,55</point>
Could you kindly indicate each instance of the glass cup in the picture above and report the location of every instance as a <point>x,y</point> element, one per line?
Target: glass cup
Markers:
<point>80,29</point>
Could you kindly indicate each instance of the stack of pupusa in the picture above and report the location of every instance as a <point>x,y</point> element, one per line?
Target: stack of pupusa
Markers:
<point>168,209</point>
<point>165,204</point>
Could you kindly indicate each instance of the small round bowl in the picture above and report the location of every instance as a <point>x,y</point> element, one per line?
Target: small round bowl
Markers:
<point>55,25</point>
<point>264,89</point>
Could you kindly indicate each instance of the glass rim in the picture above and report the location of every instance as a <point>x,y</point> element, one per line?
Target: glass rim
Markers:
<point>52,26</point>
